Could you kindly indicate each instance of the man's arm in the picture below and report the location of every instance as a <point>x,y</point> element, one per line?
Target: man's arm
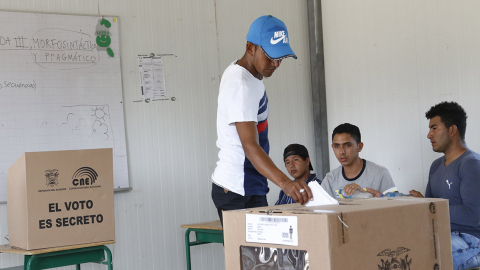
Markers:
<point>468,213</point>
<point>247,132</point>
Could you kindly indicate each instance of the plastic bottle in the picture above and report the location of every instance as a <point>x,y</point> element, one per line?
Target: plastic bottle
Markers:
<point>356,195</point>
<point>395,194</point>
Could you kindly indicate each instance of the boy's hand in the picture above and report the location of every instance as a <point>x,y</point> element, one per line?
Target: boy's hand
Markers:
<point>350,189</point>
<point>375,193</point>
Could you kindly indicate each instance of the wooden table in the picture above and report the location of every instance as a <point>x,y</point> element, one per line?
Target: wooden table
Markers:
<point>63,256</point>
<point>205,233</point>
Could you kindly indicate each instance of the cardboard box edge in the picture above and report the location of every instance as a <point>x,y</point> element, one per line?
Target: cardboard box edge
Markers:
<point>17,203</point>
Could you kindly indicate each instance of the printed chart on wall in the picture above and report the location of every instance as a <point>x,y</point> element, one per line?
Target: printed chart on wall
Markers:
<point>152,79</point>
<point>60,88</point>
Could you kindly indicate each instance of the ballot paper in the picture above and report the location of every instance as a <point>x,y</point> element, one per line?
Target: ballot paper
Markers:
<point>320,196</point>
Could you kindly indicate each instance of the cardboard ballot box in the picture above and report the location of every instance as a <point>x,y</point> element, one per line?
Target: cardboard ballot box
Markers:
<point>61,198</point>
<point>362,234</point>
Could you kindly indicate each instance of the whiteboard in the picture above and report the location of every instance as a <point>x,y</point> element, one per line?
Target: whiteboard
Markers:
<point>60,88</point>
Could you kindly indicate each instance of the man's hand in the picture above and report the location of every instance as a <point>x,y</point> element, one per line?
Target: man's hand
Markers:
<point>416,194</point>
<point>350,189</point>
<point>293,189</point>
<point>375,193</point>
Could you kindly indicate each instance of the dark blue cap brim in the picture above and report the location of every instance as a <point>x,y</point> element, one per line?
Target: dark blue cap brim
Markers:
<point>279,52</point>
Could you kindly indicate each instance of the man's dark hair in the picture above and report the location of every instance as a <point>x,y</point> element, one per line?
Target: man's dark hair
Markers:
<point>450,114</point>
<point>350,129</point>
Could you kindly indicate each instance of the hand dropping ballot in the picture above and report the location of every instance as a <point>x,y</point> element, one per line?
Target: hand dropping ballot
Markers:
<point>320,196</point>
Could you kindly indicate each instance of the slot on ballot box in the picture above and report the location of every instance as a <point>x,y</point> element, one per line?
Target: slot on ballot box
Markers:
<point>61,198</point>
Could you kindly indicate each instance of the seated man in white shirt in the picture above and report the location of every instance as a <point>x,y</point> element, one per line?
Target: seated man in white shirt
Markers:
<point>354,173</point>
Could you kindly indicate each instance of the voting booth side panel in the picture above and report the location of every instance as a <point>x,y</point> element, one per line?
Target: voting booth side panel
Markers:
<point>17,203</point>
<point>69,199</point>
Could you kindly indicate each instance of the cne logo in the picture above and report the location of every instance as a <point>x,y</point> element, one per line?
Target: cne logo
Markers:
<point>279,36</point>
<point>84,176</point>
<point>51,177</point>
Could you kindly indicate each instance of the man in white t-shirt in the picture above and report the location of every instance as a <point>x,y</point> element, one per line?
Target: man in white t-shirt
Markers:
<point>240,178</point>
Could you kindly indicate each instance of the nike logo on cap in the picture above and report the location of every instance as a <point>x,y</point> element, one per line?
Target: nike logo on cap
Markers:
<point>275,41</point>
<point>278,36</point>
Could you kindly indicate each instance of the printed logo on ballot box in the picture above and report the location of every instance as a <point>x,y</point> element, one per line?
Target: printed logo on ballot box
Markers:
<point>51,177</point>
<point>396,261</point>
<point>84,177</point>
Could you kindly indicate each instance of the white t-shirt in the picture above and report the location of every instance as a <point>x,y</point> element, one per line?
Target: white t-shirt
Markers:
<point>242,98</point>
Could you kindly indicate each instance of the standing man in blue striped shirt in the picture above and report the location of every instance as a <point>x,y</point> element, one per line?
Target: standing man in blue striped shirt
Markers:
<point>240,178</point>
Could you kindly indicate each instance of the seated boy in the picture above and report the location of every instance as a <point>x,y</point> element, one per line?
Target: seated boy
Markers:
<point>354,173</point>
<point>297,162</point>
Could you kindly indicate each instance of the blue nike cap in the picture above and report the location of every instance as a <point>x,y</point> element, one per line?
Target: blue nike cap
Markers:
<point>271,34</point>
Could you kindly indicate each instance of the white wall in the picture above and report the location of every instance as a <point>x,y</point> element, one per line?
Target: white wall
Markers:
<point>387,62</point>
<point>171,144</point>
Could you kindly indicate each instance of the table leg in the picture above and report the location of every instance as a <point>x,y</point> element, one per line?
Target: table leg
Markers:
<point>187,248</point>
<point>78,267</point>
<point>109,257</point>
<point>28,265</point>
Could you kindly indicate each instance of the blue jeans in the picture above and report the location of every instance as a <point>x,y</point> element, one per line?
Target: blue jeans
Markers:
<point>465,251</point>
